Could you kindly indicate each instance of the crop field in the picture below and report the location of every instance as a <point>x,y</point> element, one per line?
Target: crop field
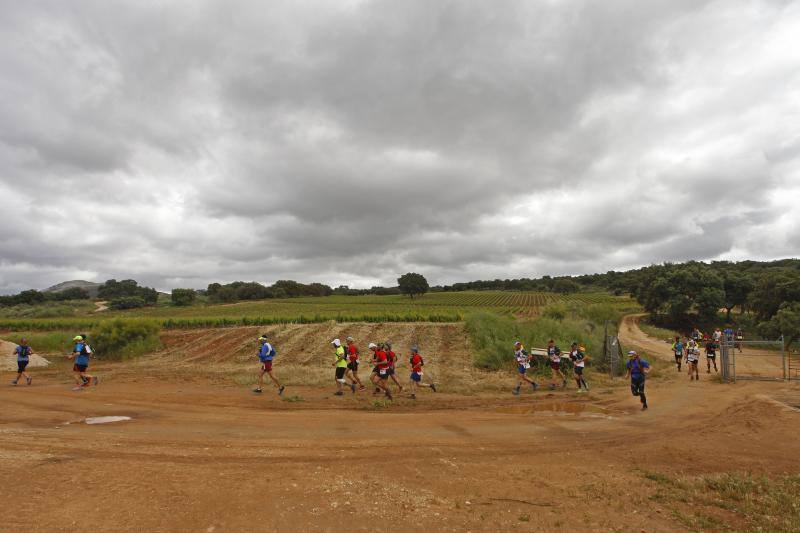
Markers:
<point>433,307</point>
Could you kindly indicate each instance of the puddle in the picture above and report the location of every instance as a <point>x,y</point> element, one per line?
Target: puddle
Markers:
<point>558,408</point>
<point>106,419</point>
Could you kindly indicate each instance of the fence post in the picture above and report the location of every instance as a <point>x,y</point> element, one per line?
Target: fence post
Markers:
<point>783,358</point>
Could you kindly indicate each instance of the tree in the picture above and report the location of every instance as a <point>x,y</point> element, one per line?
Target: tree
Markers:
<point>183,296</point>
<point>127,302</point>
<point>773,288</point>
<point>786,322</point>
<point>412,283</point>
<point>737,288</point>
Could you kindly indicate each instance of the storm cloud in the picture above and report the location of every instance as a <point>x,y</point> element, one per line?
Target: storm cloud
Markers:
<point>348,142</point>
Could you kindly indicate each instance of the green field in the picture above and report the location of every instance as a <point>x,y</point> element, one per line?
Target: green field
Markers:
<point>433,307</point>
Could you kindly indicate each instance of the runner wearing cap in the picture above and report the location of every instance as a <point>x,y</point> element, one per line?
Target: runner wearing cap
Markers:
<point>523,360</point>
<point>417,364</point>
<point>81,353</point>
<point>352,363</point>
<point>578,358</point>
<point>637,368</point>
<point>554,354</point>
<point>23,352</point>
<point>692,357</point>
<point>266,353</point>
<point>340,363</point>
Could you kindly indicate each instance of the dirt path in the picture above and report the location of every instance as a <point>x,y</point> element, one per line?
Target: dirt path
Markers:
<point>100,307</point>
<point>200,455</point>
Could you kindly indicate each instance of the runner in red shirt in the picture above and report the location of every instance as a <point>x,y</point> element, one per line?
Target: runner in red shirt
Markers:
<point>379,373</point>
<point>392,358</point>
<point>417,365</point>
<point>352,363</point>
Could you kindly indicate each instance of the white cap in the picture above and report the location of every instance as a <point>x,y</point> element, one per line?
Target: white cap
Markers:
<point>631,353</point>
<point>349,339</point>
<point>336,342</point>
<point>372,345</point>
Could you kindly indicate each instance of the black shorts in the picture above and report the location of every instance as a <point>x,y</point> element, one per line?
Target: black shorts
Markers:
<point>382,373</point>
<point>678,356</point>
<point>21,366</point>
<point>79,368</point>
<point>579,370</point>
<point>711,356</point>
<point>555,366</point>
<point>390,371</point>
<point>340,372</point>
<point>353,365</point>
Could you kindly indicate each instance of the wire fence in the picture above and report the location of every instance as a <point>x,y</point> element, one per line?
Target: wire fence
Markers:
<point>761,360</point>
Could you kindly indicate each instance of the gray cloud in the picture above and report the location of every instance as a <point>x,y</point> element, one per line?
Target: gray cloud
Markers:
<point>349,142</point>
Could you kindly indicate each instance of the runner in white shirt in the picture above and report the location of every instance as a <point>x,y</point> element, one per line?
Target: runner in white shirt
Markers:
<point>523,360</point>
<point>692,357</point>
<point>578,363</point>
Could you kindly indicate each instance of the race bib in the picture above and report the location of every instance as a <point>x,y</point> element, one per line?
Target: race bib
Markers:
<point>526,365</point>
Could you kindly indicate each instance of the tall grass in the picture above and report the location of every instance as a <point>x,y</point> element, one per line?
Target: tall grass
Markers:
<point>125,339</point>
<point>492,335</point>
<point>43,342</point>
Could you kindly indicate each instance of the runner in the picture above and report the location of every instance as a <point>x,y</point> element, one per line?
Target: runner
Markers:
<point>81,353</point>
<point>417,365</point>
<point>265,354</point>
<point>711,356</point>
<point>578,362</point>
<point>638,369</point>
<point>523,364</point>
<point>23,352</point>
<point>554,354</point>
<point>692,357</point>
<point>717,335</point>
<point>696,335</point>
<point>677,349</point>
<point>739,339</point>
<point>392,358</point>
<point>340,363</point>
<point>352,363</point>
<point>379,374</point>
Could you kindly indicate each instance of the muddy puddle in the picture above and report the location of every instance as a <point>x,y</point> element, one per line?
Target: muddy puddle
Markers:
<point>586,410</point>
<point>106,419</point>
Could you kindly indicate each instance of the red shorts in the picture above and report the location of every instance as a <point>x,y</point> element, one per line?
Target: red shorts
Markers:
<point>266,366</point>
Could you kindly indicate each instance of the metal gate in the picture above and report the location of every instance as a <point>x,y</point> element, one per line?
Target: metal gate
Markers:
<point>756,360</point>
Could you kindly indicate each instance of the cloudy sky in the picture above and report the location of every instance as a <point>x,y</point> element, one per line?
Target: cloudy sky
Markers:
<point>183,142</point>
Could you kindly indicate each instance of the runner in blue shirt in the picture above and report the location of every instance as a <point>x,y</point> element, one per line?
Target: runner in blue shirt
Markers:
<point>266,353</point>
<point>81,353</point>
<point>637,370</point>
<point>23,352</point>
<point>677,349</point>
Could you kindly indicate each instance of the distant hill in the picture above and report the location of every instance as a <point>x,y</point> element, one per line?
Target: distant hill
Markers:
<point>88,285</point>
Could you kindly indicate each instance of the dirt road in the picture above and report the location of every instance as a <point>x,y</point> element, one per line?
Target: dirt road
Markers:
<point>203,455</point>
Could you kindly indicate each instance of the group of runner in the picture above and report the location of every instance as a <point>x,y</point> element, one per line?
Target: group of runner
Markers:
<point>346,362</point>
<point>81,352</point>
<point>384,360</point>
<point>687,349</point>
<point>554,355</point>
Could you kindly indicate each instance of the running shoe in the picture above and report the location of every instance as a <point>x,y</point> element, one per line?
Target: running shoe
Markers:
<point>353,387</point>
<point>433,387</point>
<point>257,391</point>
<point>96,380</point>
<point>338,393</point>
<point>644,407</point>
<point>14,382</point>
<point>77,388</point>
<point>515,392</point>
<point>86,384</point>
<point>29,380</point>
<point>413,396</point>
<point>586,385</point>
<point>280,391</point>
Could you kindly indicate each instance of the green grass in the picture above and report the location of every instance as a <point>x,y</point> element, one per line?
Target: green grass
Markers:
<point>59,341</point>
<point>434,307</point>
<point>736,500</point>
<point>658,333</point>
<point>48,310</point>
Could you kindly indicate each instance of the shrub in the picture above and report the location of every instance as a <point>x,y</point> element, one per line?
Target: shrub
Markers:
<point>183,296</point>
<point>127,302</point>
<point>125,338</point>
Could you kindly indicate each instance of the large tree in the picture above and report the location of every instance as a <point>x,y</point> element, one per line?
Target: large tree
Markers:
<point>412,283</point>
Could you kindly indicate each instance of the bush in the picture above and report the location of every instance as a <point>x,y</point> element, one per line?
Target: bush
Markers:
<point>127,302</point>
<point>125,338</point>
<point>183,296</point>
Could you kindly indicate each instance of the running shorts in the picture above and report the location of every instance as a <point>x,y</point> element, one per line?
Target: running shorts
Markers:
<point>79,368</point>
<point>521,369</point>
<point>353,365</point>
<point>383,373</point>
<point>340,372</point>
<point>266,366</point>
<point>21,366</point>
<point>390,371</point>
<point>711,355</point>
<point>555,366</point>
<point>416,376</point>
<point>579,370</point>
